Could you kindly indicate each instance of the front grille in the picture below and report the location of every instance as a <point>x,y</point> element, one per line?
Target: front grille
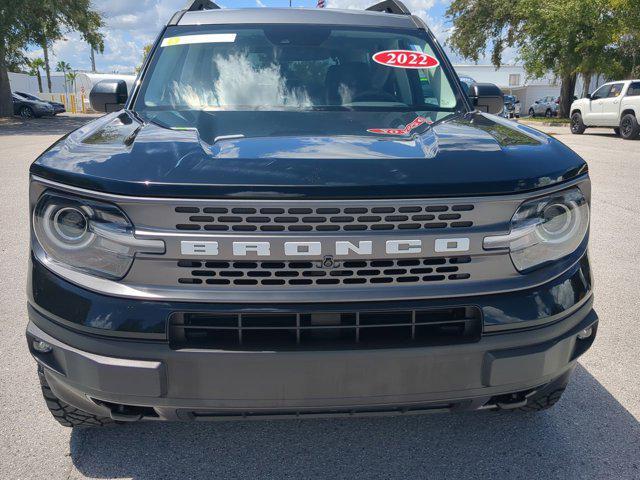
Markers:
<point>334,330</point>
<point>323,219</point>
<point>315,273</point>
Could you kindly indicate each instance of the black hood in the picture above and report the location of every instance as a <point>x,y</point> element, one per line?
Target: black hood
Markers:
<point>307,155</point>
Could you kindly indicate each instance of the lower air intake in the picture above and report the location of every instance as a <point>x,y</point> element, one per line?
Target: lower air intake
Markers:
<point>318,331</point>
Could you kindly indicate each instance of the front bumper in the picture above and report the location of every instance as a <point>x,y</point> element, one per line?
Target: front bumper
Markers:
<point>141,379</point>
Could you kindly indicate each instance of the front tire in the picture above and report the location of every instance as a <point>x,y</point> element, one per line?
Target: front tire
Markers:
<point>548,113</point>
<point>532,112</point>
<point>26,113</point>
<point>577,125</point>
<point>629,128</point>
<point>65,414</point>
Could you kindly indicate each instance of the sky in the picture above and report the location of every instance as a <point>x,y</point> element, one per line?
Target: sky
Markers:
<point>130,24</point>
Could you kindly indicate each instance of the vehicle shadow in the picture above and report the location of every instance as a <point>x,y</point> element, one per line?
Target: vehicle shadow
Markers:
<point>587,435</point>
<point>58,125</point>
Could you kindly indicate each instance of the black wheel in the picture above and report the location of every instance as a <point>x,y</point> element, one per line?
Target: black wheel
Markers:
<point>629,128</point>
<point>64,413</point>
<point>532,112</point>
<point>616,131</point>
<point>577,125</point>
<point>548,113</point>
<point>26,113</point>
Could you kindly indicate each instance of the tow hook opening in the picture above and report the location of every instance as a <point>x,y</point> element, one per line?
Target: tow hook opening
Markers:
<point>510,401</point>
<point>126,413</point>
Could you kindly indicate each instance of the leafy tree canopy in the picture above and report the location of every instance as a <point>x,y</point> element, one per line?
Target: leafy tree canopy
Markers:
<point>565,37</point>
<point>32,22</point>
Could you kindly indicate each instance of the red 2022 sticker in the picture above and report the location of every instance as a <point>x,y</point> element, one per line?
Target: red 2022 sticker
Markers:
<point>405,59</point>
<point>401,131</point>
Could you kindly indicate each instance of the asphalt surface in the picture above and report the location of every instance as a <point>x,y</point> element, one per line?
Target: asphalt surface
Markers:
<point>592,433</point>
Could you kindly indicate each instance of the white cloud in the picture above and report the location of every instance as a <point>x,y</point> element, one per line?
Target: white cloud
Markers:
<point>420,8</point>
<point>239,83</point>
<point>129,25</point>
<point>417,7</point>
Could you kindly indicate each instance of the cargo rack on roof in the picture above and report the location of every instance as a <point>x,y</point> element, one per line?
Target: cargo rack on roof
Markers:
<point>193,6</point>
<point>390,6</point>
<point>196,5</point>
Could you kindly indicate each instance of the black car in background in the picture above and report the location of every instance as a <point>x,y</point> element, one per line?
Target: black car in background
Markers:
<point>57,106</point>
<point>28,108</point>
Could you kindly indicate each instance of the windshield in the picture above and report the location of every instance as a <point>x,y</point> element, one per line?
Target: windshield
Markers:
<point>295,67</point>
<point>26,95</point>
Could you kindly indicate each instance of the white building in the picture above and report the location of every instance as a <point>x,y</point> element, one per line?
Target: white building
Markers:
<point>513,80</point>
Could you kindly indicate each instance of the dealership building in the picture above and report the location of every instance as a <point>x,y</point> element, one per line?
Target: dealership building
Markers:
<point>513,80</point>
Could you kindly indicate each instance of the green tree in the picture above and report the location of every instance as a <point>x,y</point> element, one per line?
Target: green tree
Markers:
<point>40,22</point>
<point>63,67</point>
<point>565,37</point>
<point>35,65</point>
<point>145,53</point>
<point>70,77</point>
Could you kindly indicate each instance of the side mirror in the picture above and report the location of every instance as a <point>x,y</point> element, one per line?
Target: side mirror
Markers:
<point>588,96</point>
<point>108,95</point>
<point>487,97</point>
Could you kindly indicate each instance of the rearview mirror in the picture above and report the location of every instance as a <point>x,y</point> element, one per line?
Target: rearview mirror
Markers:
<point>108,96</point>
<point>487,97</point>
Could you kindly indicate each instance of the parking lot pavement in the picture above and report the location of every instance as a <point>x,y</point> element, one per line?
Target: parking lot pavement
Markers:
<point>594,432</point>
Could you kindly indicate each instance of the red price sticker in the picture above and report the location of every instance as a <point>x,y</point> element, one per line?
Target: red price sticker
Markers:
<point>405,59</point>
<point>401,131</point>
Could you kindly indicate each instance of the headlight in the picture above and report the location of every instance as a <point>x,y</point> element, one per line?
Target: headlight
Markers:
<point>88,236</point>
<point>545,230</point>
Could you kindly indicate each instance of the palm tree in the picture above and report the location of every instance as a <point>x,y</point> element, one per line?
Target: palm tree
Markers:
<point>35,65</point>
<point>71,78</point>
<point>63,67</point>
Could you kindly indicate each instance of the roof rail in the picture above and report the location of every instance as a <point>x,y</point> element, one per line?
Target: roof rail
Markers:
<point>195,5</point>
<point>390,6</point>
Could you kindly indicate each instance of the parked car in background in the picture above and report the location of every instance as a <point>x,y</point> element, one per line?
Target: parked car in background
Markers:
<point>546,106</point>
<point>614,104</point>
<point>511,107</point>
<point>27,108</point>
<point>57,106</point>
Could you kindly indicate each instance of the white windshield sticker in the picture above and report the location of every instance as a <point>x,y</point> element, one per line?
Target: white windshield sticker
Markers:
<point>206,38</point>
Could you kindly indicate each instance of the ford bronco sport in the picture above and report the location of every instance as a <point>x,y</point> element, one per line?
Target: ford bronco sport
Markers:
<point>303,213</point>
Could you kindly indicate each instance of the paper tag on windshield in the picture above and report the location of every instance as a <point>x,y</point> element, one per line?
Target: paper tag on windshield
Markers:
<point>192,39</point>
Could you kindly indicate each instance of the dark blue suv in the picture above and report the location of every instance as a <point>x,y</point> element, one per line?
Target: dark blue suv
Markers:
<point>303,213</point>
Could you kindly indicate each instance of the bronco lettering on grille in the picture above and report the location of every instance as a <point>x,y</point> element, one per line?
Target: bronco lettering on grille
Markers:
<point>313,248</point>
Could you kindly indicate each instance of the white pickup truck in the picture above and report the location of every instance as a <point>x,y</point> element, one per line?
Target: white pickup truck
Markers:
<point>614,104</point>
